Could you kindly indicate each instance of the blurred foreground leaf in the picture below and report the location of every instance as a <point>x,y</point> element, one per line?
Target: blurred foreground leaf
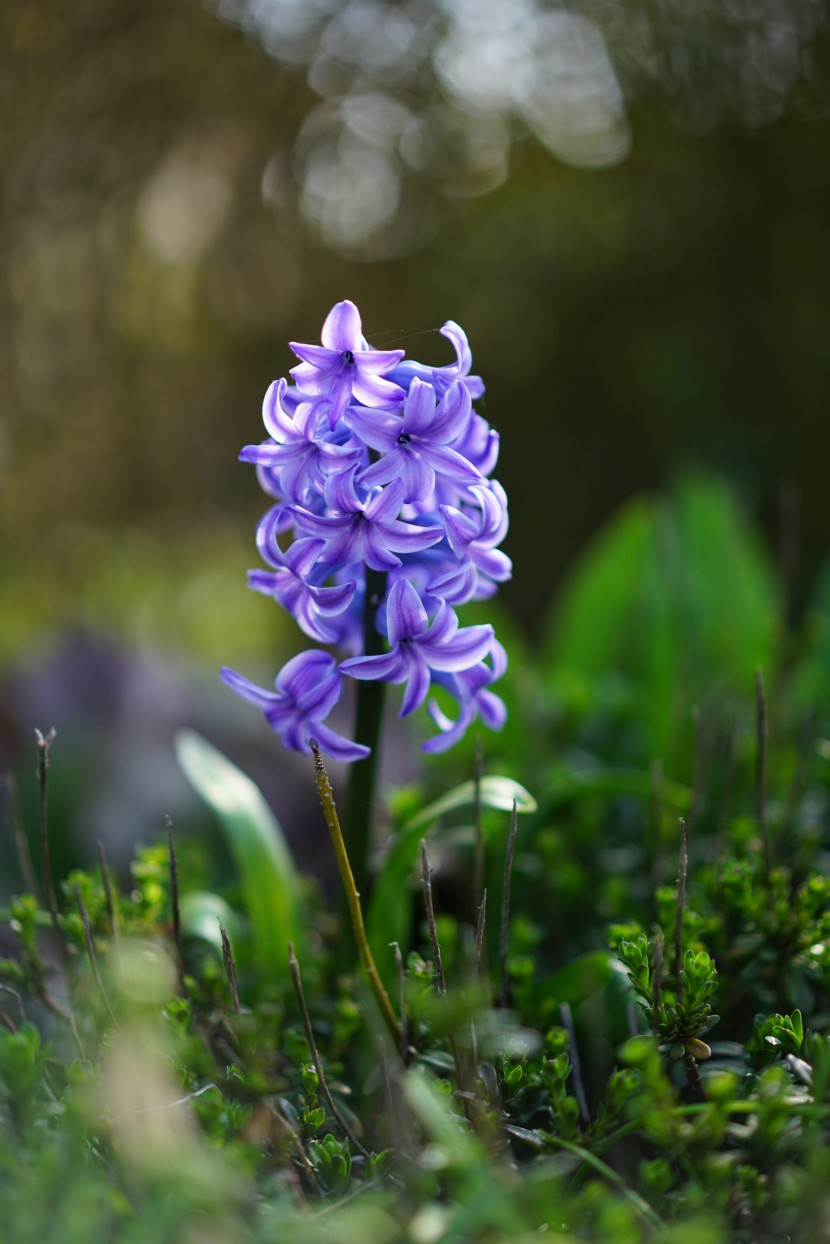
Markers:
<point>678,595</point>
<point>258,846</point>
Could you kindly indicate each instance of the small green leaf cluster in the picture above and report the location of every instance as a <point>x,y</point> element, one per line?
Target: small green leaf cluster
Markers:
<point>680,1016</point>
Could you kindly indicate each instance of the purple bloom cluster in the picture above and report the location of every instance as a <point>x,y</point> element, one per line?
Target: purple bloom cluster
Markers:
<point>384,508</point>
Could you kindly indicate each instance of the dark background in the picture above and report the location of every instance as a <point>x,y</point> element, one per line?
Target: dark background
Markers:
<point>635,240</point>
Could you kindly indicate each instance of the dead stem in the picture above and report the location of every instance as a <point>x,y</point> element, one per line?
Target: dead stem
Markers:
<point>174,903</point>
<point>230,967</point>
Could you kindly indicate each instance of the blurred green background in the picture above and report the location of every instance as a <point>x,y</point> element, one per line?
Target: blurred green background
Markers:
<point>625,205</point>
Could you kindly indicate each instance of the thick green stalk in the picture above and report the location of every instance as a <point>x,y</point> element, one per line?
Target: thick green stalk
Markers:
<point>360,795</point>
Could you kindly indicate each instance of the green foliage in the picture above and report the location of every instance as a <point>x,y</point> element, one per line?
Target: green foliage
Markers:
<point>266,869</point>
<point>676,595</point>
<point>388,919</point>
<point>674,1088</point>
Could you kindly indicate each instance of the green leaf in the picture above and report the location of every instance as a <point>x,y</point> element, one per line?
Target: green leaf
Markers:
<point>568,786</point>
<point>677,595</point>
<point>201,913</point>
<point>389,915</point>
<point>494,792</point>
<point>261,854</point>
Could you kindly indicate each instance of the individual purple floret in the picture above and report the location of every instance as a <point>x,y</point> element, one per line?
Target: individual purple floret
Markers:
<point>386,516</point>
<point>307,689</point>
<point>416,445</point>
<point>418,648</point>
<point>345,365</point>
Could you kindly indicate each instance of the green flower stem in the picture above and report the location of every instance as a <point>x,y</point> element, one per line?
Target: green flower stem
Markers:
<point>352,896</point>
<point>360,795</point>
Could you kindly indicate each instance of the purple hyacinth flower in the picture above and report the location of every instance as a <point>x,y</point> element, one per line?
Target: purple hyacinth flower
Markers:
<point>442,377</point>
<point>307,689</point>
<point>471,688</point>
<point>298,455</point>
<point>345,365</point>
<point>367,530</point>
<point>415,447</point>
<point>418,648</point>
<point>291,584</point>
<point>473,538</point>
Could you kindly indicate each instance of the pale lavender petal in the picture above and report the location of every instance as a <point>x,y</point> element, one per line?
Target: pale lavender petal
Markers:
<point>378,362</point>
<point>445,624</point>
<point>419,408</point>
<point>407,538</point>
<point>277,423</point>
<point>273,524</point>
<point>248,690</point>
<point>460,528</point>
<point>302,555</point>
<point>457,586</point>
<point>271,455</point>
<point>318,359</point>
<point>387,667</point>
<point>417,687</point>
<point>447,462</point>
<point>387,504</point>
<point>405,613</point>
<point>375,428</point>
<point>468,646</point>
<point>340,394</point>
<point>370,389</point>
<point>341,493</point>
<point>456,335</point>
<point>451,416</point>
<point>417,474</point>
<point>331,601</point>
<point>342,329</point>
<point>492,709</point>
<point>494,563</point>
<point>338,747</point>
<point>377,548</point>
<point>382,472</point>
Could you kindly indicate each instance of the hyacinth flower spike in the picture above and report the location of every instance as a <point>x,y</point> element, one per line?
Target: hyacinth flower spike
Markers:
<point>385,516</point>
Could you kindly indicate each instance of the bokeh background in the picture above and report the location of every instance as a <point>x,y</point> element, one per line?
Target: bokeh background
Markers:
<point>624,203</point>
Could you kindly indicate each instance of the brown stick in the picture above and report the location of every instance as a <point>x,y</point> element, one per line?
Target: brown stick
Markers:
<point>44,742</point>
<point>174,903</point>
<point>230,967</point>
